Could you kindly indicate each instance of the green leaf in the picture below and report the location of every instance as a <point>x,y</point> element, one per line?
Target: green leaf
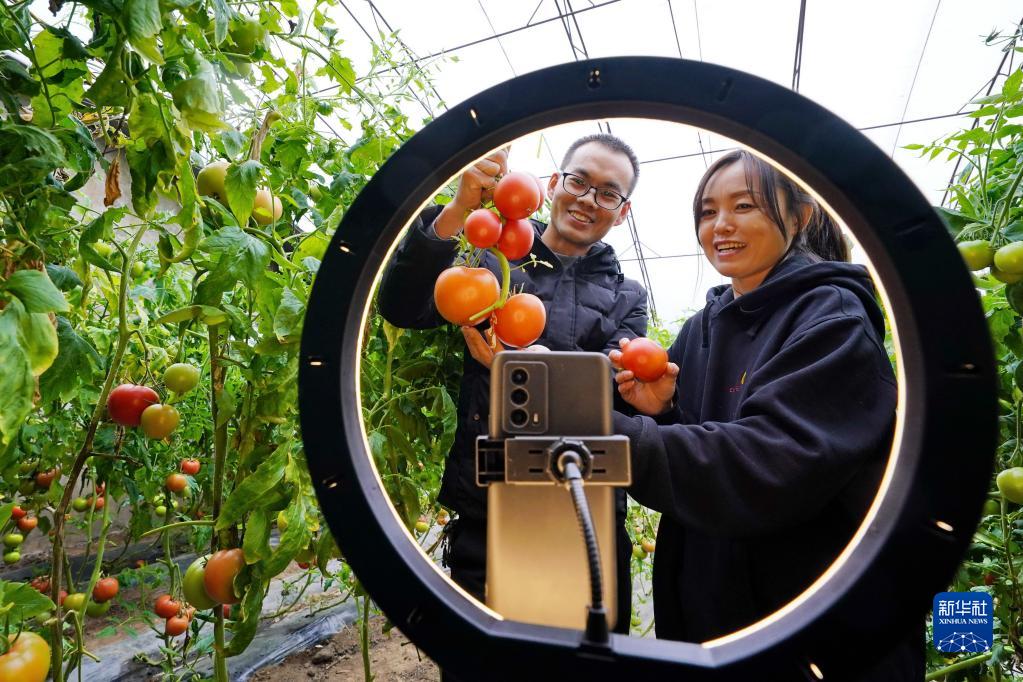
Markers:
<point>39,340</point>
<point>225,406</point>
<point>240,186</point>
<point>144,24</point>
<point>11,37</point>
<point>221,18</point>
<point>288,318</point>
<point>1011,86</point>
<point>63,278</point>
<point>198,99</point>
<point>954,220</point>
<point>256,543</point>
<point>326,549</point>
<point>339,69</point>
<point>248,493</point>
<point>293,540</point>
<point>35,290</point>
<point>76,362</point>
<point>112,88</point>
<point>16,382</point>
<point>244,630</point>
<point>27,156</point>
<point>249,256</point>
<point>206,313</point>
<point>24,601</point>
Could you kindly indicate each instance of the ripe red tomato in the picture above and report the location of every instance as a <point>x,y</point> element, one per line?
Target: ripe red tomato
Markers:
<point>27,659</point>
<point>521,321</point>
<point>158,421</point>
<point>540,186</point>
<point>176,483</point>
<point>98,503</point>
<point>516,239</point>
<point>644,358</point>
<point>44,479</point>
<point>516,195</point>
<point>27,523</point>
<point>482,228</point>
<point>176,626</point>
<point>105,589</point>
<point>126,403</point>
<point>190,466</point>
<point>17,513</point>
<point>166,606</point>
<point>461,292</point>
<point>221,570</point>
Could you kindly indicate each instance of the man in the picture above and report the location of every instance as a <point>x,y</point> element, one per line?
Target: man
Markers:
<point>590,306</point>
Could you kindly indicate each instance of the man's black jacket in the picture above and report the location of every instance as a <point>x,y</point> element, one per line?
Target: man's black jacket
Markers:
<point>590,306</point>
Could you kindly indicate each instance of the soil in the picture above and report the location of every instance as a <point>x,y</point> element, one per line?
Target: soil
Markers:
<point>392,657</point>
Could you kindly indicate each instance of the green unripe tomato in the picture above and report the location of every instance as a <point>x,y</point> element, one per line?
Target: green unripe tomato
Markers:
<point>73,602</point>
<point>94,609</point>
<point>1007,277</point>
<point>247,34</point>
<point>978,253</point>
<point>12,540</point>
<point>210,181</point>
<point>193,585</point>
<point>992,507</point>
<point>1010,484</point>
<point>12,557</point>
<point>638,553</point>
<point>181,377</point>
<point>1009,258</point>
<point>161,511</point>
<point>79,504</point>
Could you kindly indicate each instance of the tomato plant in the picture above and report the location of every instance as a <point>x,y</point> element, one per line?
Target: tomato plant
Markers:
<point>645,359</point>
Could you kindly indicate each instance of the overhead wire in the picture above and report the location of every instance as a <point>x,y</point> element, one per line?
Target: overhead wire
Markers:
<point>916,73</point>
<point>798,60</point>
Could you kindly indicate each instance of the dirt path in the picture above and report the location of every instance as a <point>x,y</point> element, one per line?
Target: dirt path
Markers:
<point>392,657</point>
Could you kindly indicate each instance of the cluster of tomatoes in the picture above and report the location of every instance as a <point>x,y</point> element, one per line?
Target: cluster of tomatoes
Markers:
<point>134,405</point>
<point>94,501</point>
<point>12,539</point>
<point>208,582</point>
<point>1005,263</point>
<point>463,294</point>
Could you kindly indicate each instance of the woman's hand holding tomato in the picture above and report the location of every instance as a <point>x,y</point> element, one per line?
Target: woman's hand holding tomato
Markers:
<point>653,397</point>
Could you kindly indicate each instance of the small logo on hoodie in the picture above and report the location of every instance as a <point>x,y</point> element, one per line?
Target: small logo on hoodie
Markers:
<point>738,386</point>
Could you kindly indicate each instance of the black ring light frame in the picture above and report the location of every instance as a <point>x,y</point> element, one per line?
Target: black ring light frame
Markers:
<point>930,500</point>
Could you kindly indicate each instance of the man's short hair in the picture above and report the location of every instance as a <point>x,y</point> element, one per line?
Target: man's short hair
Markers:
<point>611,142</point>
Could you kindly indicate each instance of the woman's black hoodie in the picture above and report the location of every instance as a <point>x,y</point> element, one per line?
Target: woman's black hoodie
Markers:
<point>774,450</point>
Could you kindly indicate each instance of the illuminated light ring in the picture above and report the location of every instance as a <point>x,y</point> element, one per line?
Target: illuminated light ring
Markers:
<point>930,499</point>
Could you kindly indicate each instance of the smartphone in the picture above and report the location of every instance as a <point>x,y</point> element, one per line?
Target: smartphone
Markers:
<point>537,570</point>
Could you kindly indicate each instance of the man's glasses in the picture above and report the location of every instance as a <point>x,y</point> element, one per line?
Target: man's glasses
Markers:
<point>578,186</point>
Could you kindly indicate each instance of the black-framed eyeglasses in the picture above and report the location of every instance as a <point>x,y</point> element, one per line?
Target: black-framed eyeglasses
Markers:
<point>578,186</point>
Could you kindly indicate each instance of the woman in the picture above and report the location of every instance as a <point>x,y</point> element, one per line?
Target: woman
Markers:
<point>767,448</point>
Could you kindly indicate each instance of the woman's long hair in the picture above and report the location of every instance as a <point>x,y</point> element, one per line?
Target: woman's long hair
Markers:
<point>820,238</point>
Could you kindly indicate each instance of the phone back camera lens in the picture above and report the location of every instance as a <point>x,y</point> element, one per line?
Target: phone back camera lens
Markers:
<point>519,417</point>
<point>519,376</point>
<point>519,396</point>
